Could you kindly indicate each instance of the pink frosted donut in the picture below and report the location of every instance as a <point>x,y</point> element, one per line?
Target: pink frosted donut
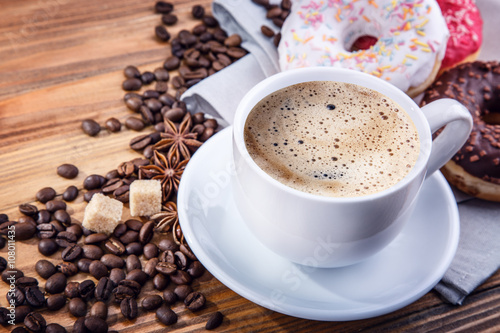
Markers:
<point>466,31</point>
<point>405,40</point>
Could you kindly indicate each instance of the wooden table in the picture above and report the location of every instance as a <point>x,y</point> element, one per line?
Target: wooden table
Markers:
<point>61,61</point>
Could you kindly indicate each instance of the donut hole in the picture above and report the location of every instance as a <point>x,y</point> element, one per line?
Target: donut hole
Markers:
<point>363,43</point>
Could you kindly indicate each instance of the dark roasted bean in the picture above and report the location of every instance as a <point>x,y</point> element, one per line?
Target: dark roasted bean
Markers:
<point>26,281</point>
<point>93,182</point>
<point>134,103</point>
<point>164,7</point>
<point>137,275</point>
<point>169,19</point>
<point>55,328</point>
<point>114,246</point>
<point>170,297</point>
<point>67,268</point>
<point>140,142</point>
<point>112,261</point>
<point>134,124</point>
<point>132,84</point>
<point>96,325</point>
<point>35,322</point>
<point>45,268</point>
<point>162,33</point>
<point>68,171</point>
<point>71,290</point>
<point>3,264</point>
<point>132,224</point>
<point>55,302</point>
<point>90,127</point>
<point>70,193</point>
<point>150,250</point>
<point>104,289</point>
<point>65,238</point>
<point>113,125</point>
<point>161,74</point>
<point>34,297</point>
<point>167,244</point>
<point>24,231</point>
<point>28,210</point>
<point>99,309</point>
<point>160,281</point>
<point>180,277</point>
<point>150,267</point>
<point>116,275</point>
<point>86,289</point>
<point>97,269</point>
<point>129,237</point>
<point>84,264</point>
<point>77,307</point>
<point>45,194</point>
<point>95,238</point>
<point>195,301</point>
<point>166,316</point>
<point>56,283</point>
<point>166,268</point>
<point>91,251</point>
<point>15,297</point>
<point>71,252</point>
<point>195,269</point>
<point>214,321</point>
<point>147,77</point>
<point>21,312</point>
<point>128,307</point>
<point>133,262</point>
<point>172,63</point>
<point>131,72</point>
<point>11,274</point>
<point>134,248</point>
<point>182,291</point>
<point>151,302</point>
<point>75,229</point>
<point>198,11</point>
<point>43,216</point>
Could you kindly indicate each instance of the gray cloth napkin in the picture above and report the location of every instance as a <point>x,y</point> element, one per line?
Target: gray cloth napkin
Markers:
<point>478,254</point>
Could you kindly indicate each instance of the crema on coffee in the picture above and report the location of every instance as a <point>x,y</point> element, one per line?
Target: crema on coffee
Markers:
<point>332,139</point>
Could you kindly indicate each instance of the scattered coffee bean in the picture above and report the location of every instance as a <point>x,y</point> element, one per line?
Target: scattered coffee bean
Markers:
<point>150,251</point>
<point>56,302</point>
<point>147,77</point>
<point>54,205</point>
<point>35,322</point>
<point>198,11</point>
<point>77,307</point>
<point>164,7</point>
<point>70,193</point>
<point>113,125</point>
<point>91,127</point>
<point>138,276</point>
<point>95,238</point>
<point>169,19</point>
<point>65,238</point>
<point>161,74</point>
<point>15,297</point>
<point>131,85</point>
<point>104,288</point>
<point>21,313</point>
<point>134,124</point>
<point>100,310</point>
<point>160,281</point>
<point>34,297</point>
<point>62,216</point>
<point>55,328</point>
<point>151,302</point>
<point>68,171</point>
<point>44,216</point>
<point>162,33</point>
<point>182,291</point>
<point>24,231</point>
<point>71,290</point>
<point>128,307</point>
<point>214,321</point>
<point>45,268</point>
<point>86,289</point>
<point>194,301</point>
<point>28,210</point>
<point>84,264</point>
<point>112,261</point>
<point>45,194</point>
<point>95,325</point>
<point>11,273</point>
<point>67,268</point>
<point>131,72</point>
<point>56,283</point>
<point>97,269</point>
<point>166,316</point>
<point>172,63</point>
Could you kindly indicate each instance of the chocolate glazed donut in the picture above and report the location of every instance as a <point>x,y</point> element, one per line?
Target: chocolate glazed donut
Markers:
<point>475,169</point>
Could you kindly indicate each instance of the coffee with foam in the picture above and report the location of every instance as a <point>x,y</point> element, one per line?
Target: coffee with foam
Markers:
<point>332,139</point>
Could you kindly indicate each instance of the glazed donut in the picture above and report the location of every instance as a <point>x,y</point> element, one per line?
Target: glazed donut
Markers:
<point>475,169</point>
<point>405,40</point>
<point>466,32</point>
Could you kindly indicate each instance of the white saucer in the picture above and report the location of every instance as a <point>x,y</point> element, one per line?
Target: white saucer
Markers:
<point>395,277</point>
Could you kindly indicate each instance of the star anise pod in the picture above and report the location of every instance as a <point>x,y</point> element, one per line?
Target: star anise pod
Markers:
<point>167,218</point>
<point>167,169</point>
<point>179,141</point>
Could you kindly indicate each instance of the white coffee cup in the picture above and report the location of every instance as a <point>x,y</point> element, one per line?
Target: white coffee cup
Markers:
<point>325,231</point>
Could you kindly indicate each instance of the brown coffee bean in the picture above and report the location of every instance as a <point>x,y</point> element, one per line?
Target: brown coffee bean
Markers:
<point>91,251</point>
<point>55,328</point>
<point>113,125</point>
<point>112,261</point>
<point>162,33</point>
<point>170,297</point>
<point>28,210</point>
<point>160,281</point>
<point>26,281</point>
<point>90,127</point>
<point>70,193</point>
<point>35,322</point>
<point>44,216</point>
<point>86,289</point>
<point>166,268</point>
<point>128,307</point>
<point>67,268</point>
<point>131,72</point>
<point>95,238</point>
<point>137,275</point>
<point>104,288</point>
<point>95,325</point>
<point>84,264</point>
<point>207,134</point>
<point>146,232</point>
<point>210,21</point>
<point>164,7</point>
<point>133,262</point>
<point>198,11</point>
<point>93,182</point>
<point>45,268</point>
<point>68,171</point>
<point>214,321</point>
<point>132,84</point>
<point>56,283</point>
<point>233,40</point>
<point>195,269</point>
<point>111,185</point>
<point>134,103</point>
<point>166,316</point>
<point>171,63</point>
<point>194,301</point>
<point>150,251</point>
<point>140,142</point>
<point>56,302</point>
<point>277,39</point>
<point>116,275</point>
<point>15,297</point>
<point>97,269</point>
<point>134,248</point>
<point>45,194</point>
<point>147,77</point>
<point>65,238</point>
<point>100,310</point>
<point>114,245</point>
<point>169,19</point>
<point>268,32</point>
<point>62,216</point>
<point>236,52</point>
<point>278,21</point>
<point>180,277</point>
<point>24,231</point>
<point>129,237</point>
<point>122,193</point>
<point>71,252</point>
<point>71,290</point>
<point>151,302</point>
<point>182,291</point>
<point>134,124</point>
<point>77,307</point>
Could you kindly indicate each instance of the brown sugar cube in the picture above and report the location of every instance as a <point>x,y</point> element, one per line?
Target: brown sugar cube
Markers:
<point>145,197</point>
<point>102,214</point>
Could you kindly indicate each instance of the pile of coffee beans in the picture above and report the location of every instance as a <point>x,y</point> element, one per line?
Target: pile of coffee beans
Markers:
<point>120,264</point>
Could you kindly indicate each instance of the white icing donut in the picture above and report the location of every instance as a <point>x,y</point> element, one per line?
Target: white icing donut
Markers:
<point>411,37</point>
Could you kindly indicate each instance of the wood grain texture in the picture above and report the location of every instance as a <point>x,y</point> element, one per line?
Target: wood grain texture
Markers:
<point>61,61</point>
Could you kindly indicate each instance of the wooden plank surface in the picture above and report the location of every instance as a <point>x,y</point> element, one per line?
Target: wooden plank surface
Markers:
<point>61,61</point>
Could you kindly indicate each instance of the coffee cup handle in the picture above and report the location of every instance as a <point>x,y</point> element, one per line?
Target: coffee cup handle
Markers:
<point>458,121</point>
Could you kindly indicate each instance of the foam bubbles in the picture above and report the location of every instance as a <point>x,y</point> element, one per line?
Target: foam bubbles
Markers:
<point>332,139</point>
